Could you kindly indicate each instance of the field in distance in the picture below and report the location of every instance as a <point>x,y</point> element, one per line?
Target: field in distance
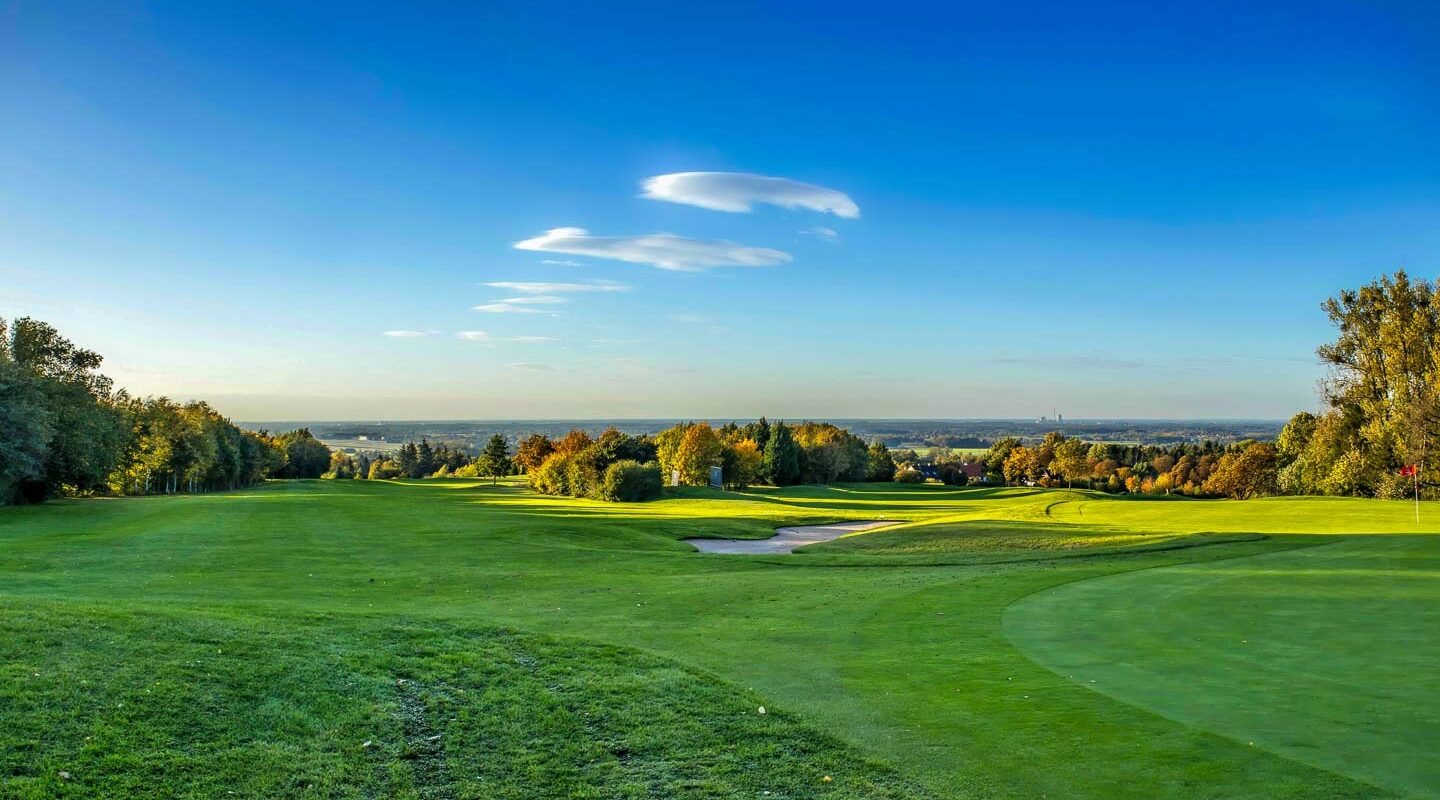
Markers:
<point>449,638</point>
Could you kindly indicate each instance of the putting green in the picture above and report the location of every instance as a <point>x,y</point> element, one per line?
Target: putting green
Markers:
<point>1324,654</point>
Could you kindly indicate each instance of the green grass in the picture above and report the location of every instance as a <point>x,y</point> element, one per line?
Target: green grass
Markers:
<point>322,707</point>
<point>888,659</point>
<point>1239,654</point>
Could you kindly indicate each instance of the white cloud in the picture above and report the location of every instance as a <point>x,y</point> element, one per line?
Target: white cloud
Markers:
<point>822,232</point>
<point>558,288</point>
<point>561,262</point>
<point>535,300</point>
<point>739,191</point>
<point>405,334</point>
<point>663,250</point>
<point>488,338</point>
<point>509,308</point>
<point>693,319</point>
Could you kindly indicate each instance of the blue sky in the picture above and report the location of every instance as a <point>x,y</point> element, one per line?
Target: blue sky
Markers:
<point>1116,209</point>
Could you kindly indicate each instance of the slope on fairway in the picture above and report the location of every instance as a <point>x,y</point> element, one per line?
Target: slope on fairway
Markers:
<point>104,703</point>
<point>1324,654</point>
<point>901,655</point>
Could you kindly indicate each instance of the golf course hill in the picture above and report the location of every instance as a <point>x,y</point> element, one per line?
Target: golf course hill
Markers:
<point>465,638</point>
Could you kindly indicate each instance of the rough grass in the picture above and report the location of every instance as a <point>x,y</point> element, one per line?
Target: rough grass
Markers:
<point>107,703</point>
<point>346,584</point>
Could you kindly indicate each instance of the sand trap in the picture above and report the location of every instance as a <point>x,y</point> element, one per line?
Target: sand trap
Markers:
<point>786,539</point>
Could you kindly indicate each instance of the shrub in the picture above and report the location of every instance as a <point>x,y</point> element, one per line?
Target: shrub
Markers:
<point>953,475</point>
<point>909,475</point>
<point>582,476</point>
<point>552,475</point>
<point>631,482</point>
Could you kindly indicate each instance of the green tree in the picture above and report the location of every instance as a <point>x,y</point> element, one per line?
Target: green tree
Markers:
<point>425,461</point>
<point>86,429</point>
<point>782,456</point>
<point>880,464</point>
<point>1385,374</point>
<point>306,456</point>
<point>25,433</point>
<point>494,460</point>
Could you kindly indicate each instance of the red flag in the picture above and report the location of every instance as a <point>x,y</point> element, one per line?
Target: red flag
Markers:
<point>1408,471</point>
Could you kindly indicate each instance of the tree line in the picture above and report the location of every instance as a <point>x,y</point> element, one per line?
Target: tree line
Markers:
<point>1243,469</point>
<point>424,460</point>
<point>65,430</point>
<point>619,466</point>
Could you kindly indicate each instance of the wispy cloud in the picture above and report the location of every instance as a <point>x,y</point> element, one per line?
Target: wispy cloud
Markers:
<point>509,308</point>
<point>531,287</point>
<point>663,250</point>
<point>693,319</point>
<point>531,366</point>
<point>739,191</point>
<point>489,338</point>
<point>535,300</point>
<point>561,262</point>
<point>823,233</point>
<point>404,334</point>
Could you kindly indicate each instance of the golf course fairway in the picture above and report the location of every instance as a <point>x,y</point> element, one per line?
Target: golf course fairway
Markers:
<point>1325,654</point>
<point>457,639</point>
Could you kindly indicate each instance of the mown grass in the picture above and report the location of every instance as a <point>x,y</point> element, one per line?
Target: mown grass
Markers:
<point>909,661</point>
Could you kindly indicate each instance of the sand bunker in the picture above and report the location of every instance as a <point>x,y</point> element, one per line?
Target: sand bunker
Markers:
<point>786,539</point>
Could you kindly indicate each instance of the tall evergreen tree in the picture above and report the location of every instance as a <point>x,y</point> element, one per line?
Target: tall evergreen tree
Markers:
<point>425,461</point>
<point>407,461</point>
<point>494,460</point>
<point>782,456</point>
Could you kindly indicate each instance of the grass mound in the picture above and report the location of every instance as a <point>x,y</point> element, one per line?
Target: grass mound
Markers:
<point>96,702</point>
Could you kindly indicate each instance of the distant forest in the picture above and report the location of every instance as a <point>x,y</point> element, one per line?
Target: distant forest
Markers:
<point>66,431</point>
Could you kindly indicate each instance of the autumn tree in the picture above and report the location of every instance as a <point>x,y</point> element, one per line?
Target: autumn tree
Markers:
<point>699,451</point>
<point>1070,461</point>
<point>1020,465</point>
<point>532,451</point>
<point>1248,470</point>
<point>743,463</point>
<point>573,442</point>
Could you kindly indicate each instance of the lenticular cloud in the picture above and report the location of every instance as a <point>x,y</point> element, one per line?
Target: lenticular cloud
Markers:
<point>739,191</point>
<point>663,250</point>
